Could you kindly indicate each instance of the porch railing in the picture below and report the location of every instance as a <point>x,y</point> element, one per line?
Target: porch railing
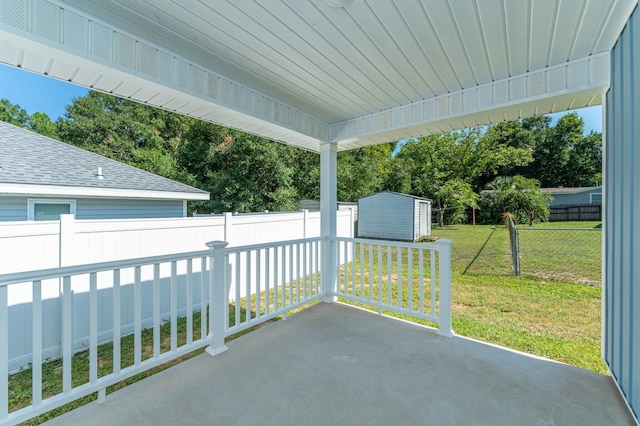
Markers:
<point>405,278</point>
<point>123,318</point>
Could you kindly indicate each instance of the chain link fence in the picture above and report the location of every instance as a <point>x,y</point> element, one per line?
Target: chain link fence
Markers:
<point>566,254</point>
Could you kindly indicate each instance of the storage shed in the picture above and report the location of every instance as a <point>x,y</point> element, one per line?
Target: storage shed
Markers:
<point>393,216</point>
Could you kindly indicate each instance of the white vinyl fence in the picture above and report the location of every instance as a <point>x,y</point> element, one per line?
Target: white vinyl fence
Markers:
<point>32,246</point>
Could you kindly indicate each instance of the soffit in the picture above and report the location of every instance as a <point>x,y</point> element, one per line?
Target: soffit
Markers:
<point>331,65</point>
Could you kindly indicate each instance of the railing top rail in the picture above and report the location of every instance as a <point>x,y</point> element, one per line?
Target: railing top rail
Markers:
<point>251,247</point>
<point>44,274</point>
<point>427,246</point>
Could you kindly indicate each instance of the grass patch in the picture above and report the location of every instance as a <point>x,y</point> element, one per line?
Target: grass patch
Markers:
<point>556,319</point>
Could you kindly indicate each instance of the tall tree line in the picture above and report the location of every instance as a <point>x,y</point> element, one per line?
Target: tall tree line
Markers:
<point>248,173</point>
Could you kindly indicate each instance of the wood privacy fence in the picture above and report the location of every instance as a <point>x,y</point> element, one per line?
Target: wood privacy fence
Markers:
<point>575,212</point>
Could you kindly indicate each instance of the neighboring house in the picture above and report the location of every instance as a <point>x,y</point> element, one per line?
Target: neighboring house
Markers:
<point>393,216</point>
<point>41,178</point>
<point>574,196</point>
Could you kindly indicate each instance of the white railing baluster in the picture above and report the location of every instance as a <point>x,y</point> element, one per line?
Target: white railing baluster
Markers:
<point>380,278</point>
<point>304,260</point>
<point>67,334</point>
<point>361,280</point>
<point>4,353</point>
<point>389,275</point>
<point>267,279</point>
<point>93,328</point>
<point>276,266</point>
<point>189,302</point>
<point>226,290</point>
<point>301,277</point>
<point>258,282</point>
<point>36,343</point>
<point>283,277</point>
<point>410,278</point>
<point>370,272</point>
<point>137,314</point>
<point>156,310</point>
<point>433,282</point>
<point>291,274</point>
<point>203,297</point>
<point>174,306</point>
<point>421,278</point>
<point>247,286</point>
<point>400,269</point>
<point>238,307</point>
<point>354,268</point>
<point>116,322</point>
<point>318,248</point>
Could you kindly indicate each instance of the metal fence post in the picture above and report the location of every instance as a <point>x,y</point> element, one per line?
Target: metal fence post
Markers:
<point>515,247</point>
<point>444,272</point>
<point>217,297</point>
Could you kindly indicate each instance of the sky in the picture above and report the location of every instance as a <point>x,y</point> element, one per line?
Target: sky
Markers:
<point>36,93</point>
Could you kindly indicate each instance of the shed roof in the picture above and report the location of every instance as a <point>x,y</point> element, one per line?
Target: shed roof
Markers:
<point>35,164</point>
<point>415,197</point>
<point>569,190</point>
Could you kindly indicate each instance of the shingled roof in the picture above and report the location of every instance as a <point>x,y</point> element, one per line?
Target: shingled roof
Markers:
<point>28,158</point>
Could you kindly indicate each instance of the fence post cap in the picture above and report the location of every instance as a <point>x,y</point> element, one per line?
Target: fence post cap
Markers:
<point>217,244</point>
<point>444,241</point>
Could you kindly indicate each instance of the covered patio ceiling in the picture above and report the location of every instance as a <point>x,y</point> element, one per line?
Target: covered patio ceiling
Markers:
<point>351,72</point>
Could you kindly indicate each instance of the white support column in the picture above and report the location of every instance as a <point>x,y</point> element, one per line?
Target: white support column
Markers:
<point>328,217</point>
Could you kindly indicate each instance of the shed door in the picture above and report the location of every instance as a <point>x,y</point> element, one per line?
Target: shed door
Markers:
<point>424,219</point>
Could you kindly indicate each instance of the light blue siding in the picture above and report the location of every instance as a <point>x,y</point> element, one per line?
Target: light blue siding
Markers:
<point>577,198</point>
<point>622,204</point>
<point>127,209</point>
<point>15,208</point>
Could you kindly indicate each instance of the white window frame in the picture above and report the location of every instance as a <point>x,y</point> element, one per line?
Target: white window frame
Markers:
<point>591,197</point>
<point>31,205</point>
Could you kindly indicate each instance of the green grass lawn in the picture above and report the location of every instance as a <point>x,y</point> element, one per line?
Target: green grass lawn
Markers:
<point>550,318</point>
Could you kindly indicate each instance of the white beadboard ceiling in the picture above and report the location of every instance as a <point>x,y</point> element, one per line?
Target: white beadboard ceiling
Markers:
<point>305,72</point>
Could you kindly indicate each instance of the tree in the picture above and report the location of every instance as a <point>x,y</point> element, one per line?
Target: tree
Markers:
<point>517,195</point>
<point>244,173</point>
<point>130,132</point>
<point>13,113</point>
<point>584,167</point>
<point>363,171</point>
<point>445,167</point>
<point>40,122</point>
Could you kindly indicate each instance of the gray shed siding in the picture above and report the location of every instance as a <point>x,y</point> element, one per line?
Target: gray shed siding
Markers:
<point>576,198</point>
<point>621,280</point>
<point>15,208</point>
<point>386,215</point>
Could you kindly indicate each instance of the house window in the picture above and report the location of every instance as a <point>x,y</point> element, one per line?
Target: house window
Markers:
<point>50,209</point>
<point>596,198</point>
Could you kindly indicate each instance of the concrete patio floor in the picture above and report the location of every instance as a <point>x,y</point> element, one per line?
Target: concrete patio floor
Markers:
<point>336,365</point>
